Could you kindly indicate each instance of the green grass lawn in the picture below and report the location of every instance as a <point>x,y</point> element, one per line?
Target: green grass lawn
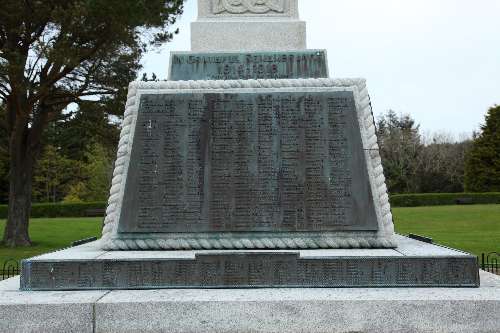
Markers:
<point>50,234</point>
<point>474,229</point>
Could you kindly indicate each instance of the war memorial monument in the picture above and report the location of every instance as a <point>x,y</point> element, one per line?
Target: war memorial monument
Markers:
<point>248,195</point>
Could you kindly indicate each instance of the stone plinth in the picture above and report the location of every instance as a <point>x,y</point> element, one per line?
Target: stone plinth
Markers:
<point>273,26</point>
<point>412,264</point>
<point>387,310</point>
<point>269,35</point>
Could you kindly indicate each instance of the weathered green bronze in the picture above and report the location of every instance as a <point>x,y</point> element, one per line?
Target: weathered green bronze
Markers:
<point>247,162</point>
<point>251,270</point>
<point>243,66</point>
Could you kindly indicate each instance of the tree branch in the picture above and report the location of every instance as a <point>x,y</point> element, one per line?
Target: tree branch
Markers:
<point>66,99</point>
<point>38,31</point>
<point>32,67</point>
<point>3,96</point>
<point>69,68</point>
<point>54,78</point>
<point>4,89</point>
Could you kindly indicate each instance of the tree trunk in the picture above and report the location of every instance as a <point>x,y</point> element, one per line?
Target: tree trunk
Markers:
<point>22,161</point>
<point>16,229</point>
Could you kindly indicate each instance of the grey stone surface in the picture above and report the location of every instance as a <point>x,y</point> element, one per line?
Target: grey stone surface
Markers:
<point>53,311</point>
<point>94,250</point>
<point>248,25</point>
<point>431,266</point>
<point>410,247</point>
<point>318,310</point>
<point>248,35</point>
<point>375,317</point>
<point>252,65</point>
<point>82,252</point>
<point>223,9</point>
<point>263,310</point>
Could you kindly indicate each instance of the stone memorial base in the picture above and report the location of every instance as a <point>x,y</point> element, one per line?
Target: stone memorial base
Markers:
<point>240,36</point>
<point>411,264</point>
<point>444,310</point>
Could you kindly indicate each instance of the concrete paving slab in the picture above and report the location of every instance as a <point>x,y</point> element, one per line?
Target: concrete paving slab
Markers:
<point>52,311</point>
<point>425,310</point>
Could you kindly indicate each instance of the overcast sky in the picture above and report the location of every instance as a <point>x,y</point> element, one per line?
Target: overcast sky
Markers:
<point>438,60</point>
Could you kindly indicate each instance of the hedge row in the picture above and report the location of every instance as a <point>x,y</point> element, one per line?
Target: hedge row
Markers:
<point>60,209</point>
<point>397,200</point>
<point>443,199</point>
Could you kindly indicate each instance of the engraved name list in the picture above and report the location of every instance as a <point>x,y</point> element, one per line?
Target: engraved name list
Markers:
<point>237,162</point>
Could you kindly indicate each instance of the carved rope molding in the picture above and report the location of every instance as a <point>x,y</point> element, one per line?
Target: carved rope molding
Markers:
<point>384,238</point>
<point>244,6</point>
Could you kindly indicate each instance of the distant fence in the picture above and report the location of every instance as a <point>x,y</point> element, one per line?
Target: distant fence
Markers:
<point>10,268</point>
<point>490,262</point>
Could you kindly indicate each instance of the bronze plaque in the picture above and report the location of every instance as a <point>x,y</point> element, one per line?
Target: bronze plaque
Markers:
<point>244,66</point>
<point>251,270</point>
<point>247,162</point>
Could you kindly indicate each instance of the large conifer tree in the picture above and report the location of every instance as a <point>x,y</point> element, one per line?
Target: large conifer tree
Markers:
<point>57,52</point>
<point>482,173</point>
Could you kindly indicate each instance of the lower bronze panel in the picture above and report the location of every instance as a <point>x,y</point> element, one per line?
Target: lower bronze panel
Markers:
<point>250,270</point>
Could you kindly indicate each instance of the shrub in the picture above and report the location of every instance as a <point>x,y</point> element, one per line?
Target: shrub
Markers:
<point>59,209</point>
<point>80,209</point>
<point>3,211</point>
<point>443,199</point>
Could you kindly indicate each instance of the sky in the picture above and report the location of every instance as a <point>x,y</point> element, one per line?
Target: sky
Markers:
<point>437,60</point>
